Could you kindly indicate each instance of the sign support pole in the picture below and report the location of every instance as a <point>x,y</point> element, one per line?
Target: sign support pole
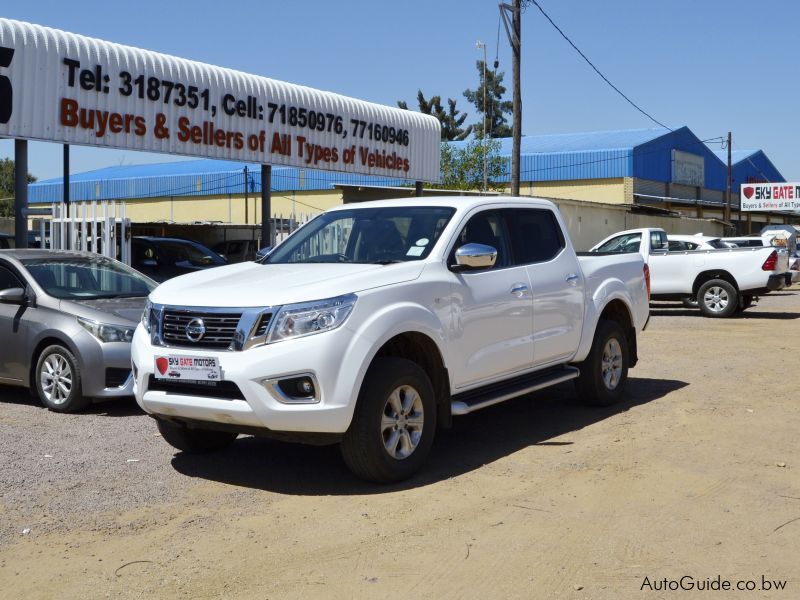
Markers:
<point>267,238</point>
<point>66,180</point>
<point>21,193</point>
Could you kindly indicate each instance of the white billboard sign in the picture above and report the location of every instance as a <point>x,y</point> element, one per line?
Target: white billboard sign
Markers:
<point>62,87</point>
<point>770,196</point>
<point>688,169</point>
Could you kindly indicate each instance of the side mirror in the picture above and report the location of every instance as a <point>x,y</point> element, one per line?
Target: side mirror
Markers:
<point>13,296</point>
<point>475,256</point>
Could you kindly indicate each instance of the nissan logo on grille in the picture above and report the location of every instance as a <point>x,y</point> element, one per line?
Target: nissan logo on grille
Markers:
<point>195,330</point>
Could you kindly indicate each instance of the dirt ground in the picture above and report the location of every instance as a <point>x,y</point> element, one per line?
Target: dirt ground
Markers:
<point>695,475</point>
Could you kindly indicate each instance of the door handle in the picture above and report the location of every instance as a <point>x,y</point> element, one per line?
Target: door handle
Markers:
<point>519,290</point>
<point>572,279</point>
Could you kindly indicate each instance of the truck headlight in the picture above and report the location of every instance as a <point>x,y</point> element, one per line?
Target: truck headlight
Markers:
<point>146,315</point>
<point>308,318</point>
<point>106,332</point>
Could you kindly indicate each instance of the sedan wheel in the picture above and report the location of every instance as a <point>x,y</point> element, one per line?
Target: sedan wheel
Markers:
<point>58,380</point>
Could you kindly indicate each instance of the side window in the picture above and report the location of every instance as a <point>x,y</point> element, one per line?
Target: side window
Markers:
<point>535,235</point>
<point>658,240</point>
<point>485,228</point>
<point>8,280</point>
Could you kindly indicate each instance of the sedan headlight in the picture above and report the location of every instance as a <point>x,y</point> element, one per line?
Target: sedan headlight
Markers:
<point>107,333</point>
<point>146,315</point>
<point>307,318</point>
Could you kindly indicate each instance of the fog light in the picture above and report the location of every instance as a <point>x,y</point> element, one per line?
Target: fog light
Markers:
<point>300,389</point>
<point>297,387</point>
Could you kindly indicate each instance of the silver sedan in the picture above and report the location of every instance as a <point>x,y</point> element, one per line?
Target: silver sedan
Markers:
<point>66,324</point>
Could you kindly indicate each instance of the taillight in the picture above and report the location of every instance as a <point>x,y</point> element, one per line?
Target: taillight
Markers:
<point>647,280</point>
<point>771,262</point>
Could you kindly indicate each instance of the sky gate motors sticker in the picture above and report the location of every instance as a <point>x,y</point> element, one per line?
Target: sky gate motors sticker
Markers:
<point>195,368</point>
<point>770,196</point>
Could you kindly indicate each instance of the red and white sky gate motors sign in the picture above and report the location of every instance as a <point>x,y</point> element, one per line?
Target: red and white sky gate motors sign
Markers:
<point>62,87</point>
<point>770,196</point>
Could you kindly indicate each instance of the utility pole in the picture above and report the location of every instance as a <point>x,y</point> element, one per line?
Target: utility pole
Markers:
<point>728,192</point>
<point>515,38</point>
<point>246,199</point>
<point>479,44</point>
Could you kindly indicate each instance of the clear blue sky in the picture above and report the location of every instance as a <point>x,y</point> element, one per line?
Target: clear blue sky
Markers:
<point>714,65</point>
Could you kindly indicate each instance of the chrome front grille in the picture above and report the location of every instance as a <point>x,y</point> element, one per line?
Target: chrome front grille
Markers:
<point>231,329</point>
<point>220,328</point>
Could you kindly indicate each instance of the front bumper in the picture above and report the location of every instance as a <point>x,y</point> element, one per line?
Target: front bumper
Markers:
<point>95,359</point>
<point>253,372</point>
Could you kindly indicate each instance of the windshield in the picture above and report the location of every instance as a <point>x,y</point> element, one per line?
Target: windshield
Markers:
<point>86,278</point>
<point>365,235</point>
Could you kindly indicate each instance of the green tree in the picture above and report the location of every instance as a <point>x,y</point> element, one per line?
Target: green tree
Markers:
<point>494,120</point>
<point>451,119</point>
<point>462,166</point>
<point>7,187</point>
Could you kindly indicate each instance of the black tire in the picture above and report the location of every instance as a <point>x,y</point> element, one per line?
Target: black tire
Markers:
<point>372,447</point>
<point>717,298</point>
<point>689,302</point>
<point>194,441</point>
<point>604,373</point>
<point>57,380</point>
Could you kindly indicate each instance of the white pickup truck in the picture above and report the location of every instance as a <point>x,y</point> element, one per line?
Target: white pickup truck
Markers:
<point>374,324</point>
<point>721,281</point>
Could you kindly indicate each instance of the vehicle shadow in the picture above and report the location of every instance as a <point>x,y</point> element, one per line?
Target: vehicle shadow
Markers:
<point>678,310</point>
<point>474,441</point>
<point>115,407</point>
<point>12,394</point>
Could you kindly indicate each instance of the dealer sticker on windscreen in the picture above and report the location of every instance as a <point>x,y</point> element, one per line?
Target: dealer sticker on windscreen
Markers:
<point>196,368</point>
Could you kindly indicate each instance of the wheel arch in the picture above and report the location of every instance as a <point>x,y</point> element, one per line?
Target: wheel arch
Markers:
<point>48,340</point>
<point>706,276</point>
<point>618,311</point>
<point>422,350</point>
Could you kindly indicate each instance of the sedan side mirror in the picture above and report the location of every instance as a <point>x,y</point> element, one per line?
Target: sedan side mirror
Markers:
<point>13,296</point>
<point>475,256</point>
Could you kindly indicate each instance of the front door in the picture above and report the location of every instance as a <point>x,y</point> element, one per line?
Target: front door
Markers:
<point>13,332</point>
<point>492,308</point>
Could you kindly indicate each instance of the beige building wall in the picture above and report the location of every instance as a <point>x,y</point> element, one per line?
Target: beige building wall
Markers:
<point>607,191</point>
<point>588,223</point>
<point>230,208</point>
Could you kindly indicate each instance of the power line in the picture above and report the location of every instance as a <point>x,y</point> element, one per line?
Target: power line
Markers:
<point>591,64</point>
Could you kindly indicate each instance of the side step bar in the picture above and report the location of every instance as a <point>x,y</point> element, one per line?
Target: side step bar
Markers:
<point>467,402</point>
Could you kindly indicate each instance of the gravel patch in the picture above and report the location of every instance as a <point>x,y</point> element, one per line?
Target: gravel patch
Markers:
<point>66,469</point>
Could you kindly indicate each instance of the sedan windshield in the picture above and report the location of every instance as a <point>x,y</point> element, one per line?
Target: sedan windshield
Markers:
<point>86,278</point>
<point>366,235</point>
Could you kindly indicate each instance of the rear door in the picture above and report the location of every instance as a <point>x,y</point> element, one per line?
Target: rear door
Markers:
<point>539,245</point>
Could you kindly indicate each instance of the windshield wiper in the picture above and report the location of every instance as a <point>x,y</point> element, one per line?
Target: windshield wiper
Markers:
<point>123,295</point>
<point>386,261</point>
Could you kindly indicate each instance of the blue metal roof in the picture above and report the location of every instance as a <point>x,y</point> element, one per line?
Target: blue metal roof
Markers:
<point>191,178</point>
<point>641,153</point>
<point>749,166</point>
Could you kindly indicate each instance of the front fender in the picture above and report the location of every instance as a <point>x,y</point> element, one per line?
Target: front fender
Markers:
<point>382,324</point>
